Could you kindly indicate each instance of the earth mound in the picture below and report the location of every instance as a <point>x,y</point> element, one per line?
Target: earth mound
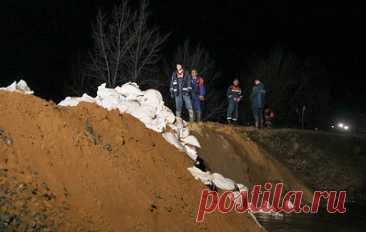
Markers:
<point>87,169</point>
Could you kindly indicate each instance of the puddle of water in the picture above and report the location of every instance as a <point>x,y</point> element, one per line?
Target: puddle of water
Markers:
<point>352,221</point>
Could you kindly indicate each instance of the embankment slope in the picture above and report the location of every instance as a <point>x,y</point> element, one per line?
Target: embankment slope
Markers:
<point>302,160</point>
<point>86,169</point>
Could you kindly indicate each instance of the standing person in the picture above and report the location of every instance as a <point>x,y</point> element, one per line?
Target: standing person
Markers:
<point>269,117</point>
<point>198,94</point>
<point>180,90</point>
<point>234,95</point>
<point>257,98</point>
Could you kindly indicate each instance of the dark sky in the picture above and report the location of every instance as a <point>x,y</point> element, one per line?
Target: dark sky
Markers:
<point>40,39</point>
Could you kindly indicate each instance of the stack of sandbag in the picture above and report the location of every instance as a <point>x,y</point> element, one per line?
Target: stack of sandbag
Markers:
<point>147,106</point>
<point>20,87</point>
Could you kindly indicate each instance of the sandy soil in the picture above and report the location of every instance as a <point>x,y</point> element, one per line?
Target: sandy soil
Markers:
<point>86,169</point>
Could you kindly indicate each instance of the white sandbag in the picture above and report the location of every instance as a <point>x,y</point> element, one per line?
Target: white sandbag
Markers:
<point>182,132</point>
<point>222,182</point>
<point>87,98</point>
<point>147,106</point>
<point>216,179</point>
<point>152,97</point>
<point>131,107</point>
<point>70,101</point>
<point>191,152</point>
<point>191,140</point>
<point>20,87</point>
<point>198,174</point>
<point>130,91</point>
<point>179,129</point>
<point>23,87</point>
<point>170,138</point>
<point>74,101</point>
<point>108,98</point>
<point>167,115</point>
<point>149,116</point>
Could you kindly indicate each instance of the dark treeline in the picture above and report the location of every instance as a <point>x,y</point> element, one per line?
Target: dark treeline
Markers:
<point>56,48</point>
<point>128,48</point>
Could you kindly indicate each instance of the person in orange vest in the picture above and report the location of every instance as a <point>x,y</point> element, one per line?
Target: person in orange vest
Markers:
<point>198,94</point>
<point>234,96</point>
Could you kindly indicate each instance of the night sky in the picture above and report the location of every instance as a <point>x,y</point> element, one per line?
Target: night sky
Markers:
<point>42,39</point>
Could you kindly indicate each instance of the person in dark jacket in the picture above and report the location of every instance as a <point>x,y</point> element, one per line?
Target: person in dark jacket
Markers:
<point>198,94</point>
<point>180,90</point>
<point>234,95</point>
<point>257,99</point>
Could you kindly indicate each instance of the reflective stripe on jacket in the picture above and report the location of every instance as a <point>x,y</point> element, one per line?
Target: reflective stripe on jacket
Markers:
<point>180,85</point>
<point>234,92</point>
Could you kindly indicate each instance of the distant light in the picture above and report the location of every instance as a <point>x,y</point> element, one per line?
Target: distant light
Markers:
<point>333,126</point>
<point>341,125</point>
<point>346,127</point>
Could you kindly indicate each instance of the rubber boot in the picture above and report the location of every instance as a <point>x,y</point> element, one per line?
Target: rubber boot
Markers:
<point>191,116</point>
<point>178,114</point>
<point>199,115</point>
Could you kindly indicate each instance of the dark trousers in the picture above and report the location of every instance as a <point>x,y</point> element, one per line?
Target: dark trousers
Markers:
<point>179,100</point>
<point>232,110</point>
<point>196,103</point>
<point>258,116</point>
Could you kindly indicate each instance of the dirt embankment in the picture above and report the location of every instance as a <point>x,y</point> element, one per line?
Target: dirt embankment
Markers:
<point>305,161</point>
<point>86,169</point>
<point>324,161</point>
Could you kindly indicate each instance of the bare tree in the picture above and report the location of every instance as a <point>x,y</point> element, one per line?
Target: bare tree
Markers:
<point>125,47</point>
<point>196,57</point>
<point>143,53</point>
